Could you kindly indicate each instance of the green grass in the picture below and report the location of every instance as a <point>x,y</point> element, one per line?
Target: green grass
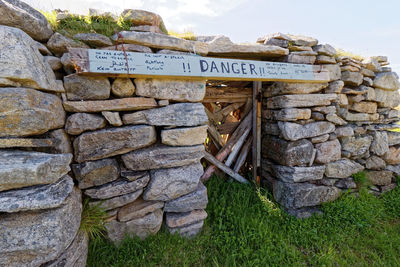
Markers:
<point>246,228</point>
<point>92,222</point>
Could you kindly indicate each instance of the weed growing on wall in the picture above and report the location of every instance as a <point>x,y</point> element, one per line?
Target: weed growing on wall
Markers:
<point>92,222</point>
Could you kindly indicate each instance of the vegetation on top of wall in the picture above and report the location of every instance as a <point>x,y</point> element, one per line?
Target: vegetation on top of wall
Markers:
<point>343,53</point>
<point>246,228</point>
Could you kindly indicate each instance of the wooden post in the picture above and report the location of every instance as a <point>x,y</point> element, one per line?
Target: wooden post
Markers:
<point>256,91</point>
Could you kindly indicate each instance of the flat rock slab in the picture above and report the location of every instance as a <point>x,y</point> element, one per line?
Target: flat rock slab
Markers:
<point>78,123</point>
<point>298,174</point>
<point>185,218</point>
<point>93,39</point>
<point>138,209</point>
<point>78,87</point>
<point>168,184</point>
<point>113,141</point>
<point>123,104</point>
<point>293,131</point>
<point>15,13</point>
<point>162,41</point>
<point>158,157</point>
<point>342,168</point>
<point>32,238</point>
<point>294,196</point>
<point>113,118</point>
<point>328,151</point>
<point>283,88</point>
<point>375,163</point>
<point>184,136</point>
<point>188,231</point>
<point>36,197</point>
<point>184,114</point>
<point>387,81</point>
<point>22,168</point>
<point>59,44</point>
<point>356,147</point>
<point>177,90</point>
<point>197,200</point>
<point>352,78</point>
<point>116,202</point>
<point>117,188</point>
<point>95,173</point>
<point>387,99</point>
<point>380,177</point>
<point>298,101</point>
<point>287,114</point>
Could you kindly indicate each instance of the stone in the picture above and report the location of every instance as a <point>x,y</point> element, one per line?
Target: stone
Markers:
<point>174,220</point>
<point>364,107</point>
<point>18,14</point>
<point>298,101</point>
<point>93,39</point>
<point>368,81</point>
<point>333,71</point>
<point>334,87</point>
<point>392,157</point>
<point>277,35</point>
<point>321,59</point>
<point>80,87</point>
<point>129,48</point>
<point>380,144</point>
<point>123,104</point>
<point>320,139</point>
<point>380,177</point>
<point>372,64</point>
<point>96,173</point>
<point>360,90</point>
<point>335,119</point>
<point>187,231</point>
<point>343,100</point>
<point>33,238</point>
<point>117,188</point>
<point>75,255</point>
<point>61,142</point>
<point>357,147</point>
<point>283,88</point>
<point>133,175</point>
<point>325,49</point>
<point>346,183</point>
<point>350,68</point>
<point>298,153</point>
<point>113,118</point>
<point>303,40</point>
<point>375,163</point>
<point>197,200</point>
<point>270,128</point>
<point>352,78</point>
<point>300,59</point>
<point>146,28</point>
<point>138,209</point>
<point>26,112</point>
<point>123,87</point>
<point>393,138</point>
<point>325,109</point>
<point>366,117</point>
<point>387,81</point>
<point>367,73</point>
<point>78,123</point>
<point>387,188</point>
<point>59,44</point>
<point>43,49</point>
<point>387,99</point>
<point>342,168</point>
<point>162,41</point>
<point>54,62</point>
<point>394,168</point>
<point>112,141</point>
<point>157,157</point>
<point>168,184</point>
<point>298,174</point>
<point>183,114</point>
<point>177,90</point>
<point>222,46</point>
<point>66,61</point>
<point>23,168</point>
<point>345,131</point>
<point>293,131</point>
<point>328,151</point>
<point>277,42</point>
<point>36,197</point>
<point>143,17</point>
<point>316,116</point>
<point>141,227</point>
<point>116,202</point>
<point>301,48</point>
<point>357,99</point>
<point>287,114</point>
<point>184,136</point>
<point>294,196</point>
<point>19,53</point>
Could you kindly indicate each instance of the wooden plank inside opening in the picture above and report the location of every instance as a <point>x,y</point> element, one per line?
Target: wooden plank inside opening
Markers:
<point>255,125</point>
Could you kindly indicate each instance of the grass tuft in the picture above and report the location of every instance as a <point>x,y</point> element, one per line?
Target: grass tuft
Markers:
<point>343,53</point>
<point>92,221</point>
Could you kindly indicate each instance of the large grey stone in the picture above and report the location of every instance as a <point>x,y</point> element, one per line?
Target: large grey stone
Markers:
<point>174,220</point>
<point>95,173</point>
<point>123,87</point>
<point>184,114</point>
<point>303,40</point>
<point>36,197</point>
<point>23,65</point>
<point>32,238</point>
<point>380,144</point>
<point>294,196</point>
<point>293,131</point>
<point>54,62</point>
<point>116,202</point>
<point>283,88</point>
<point>392,156</point>
<point>113,141</point>
<point>15,13</point>
<point>298,174</point>
<point>364,107</point>
<point>356,147</point>
<point>380,177</point>
<point>298,153</point>
<point>184,136</point>
<point>168,184</point>
<point>93,39</point>
<point>143,17</point>
<point>22,168</point>
<point>300,59</point>
<point>296,101</point>
<point>352,78</point>
<point>325,49</point>
<point>157,157</point>
<point>387,81</point>
<point>196,200</point>
<point>287,114</point>
<point>188,231</point>
<point>25,112</point>
<point>387,99</point>
<point>342,168</point>
<point>394,168</point>
<point>80,87</point>
<point>177,90</point>
<point>345,131</point>
<point>78,123</point>
<point>117,188</point>
<point>372,64</point>
<point>138,209</point>
<point>393,138</point>
<point>333,71</point>
<point>59,44</point>
<point>375,163</point>
<point>328,151</point>
<point>363,117</point>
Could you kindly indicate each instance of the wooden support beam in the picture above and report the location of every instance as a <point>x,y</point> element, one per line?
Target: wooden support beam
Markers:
<point>215,136</point>
<point>256,92</point>
<point>236,148</point>
<point>243,154</point>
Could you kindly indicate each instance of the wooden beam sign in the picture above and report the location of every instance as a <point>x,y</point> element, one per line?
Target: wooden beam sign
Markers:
<point>130,64</point>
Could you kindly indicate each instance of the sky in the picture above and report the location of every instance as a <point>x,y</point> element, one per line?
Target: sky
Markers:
<point>367,28</point>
